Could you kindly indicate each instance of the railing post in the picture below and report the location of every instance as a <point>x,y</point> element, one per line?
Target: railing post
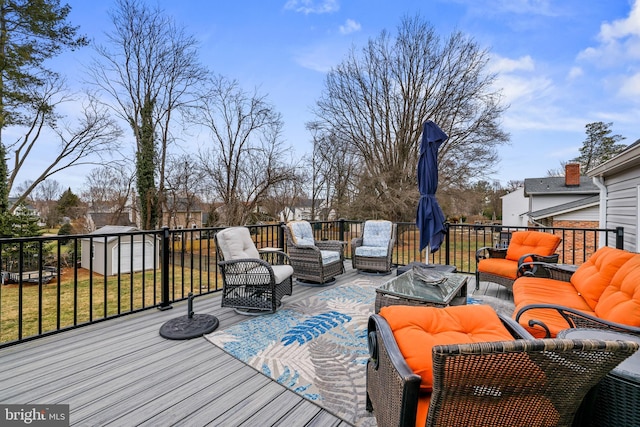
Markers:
<point>281,235</point>
<point>341,229</point>
<point>447,244</point>
<point>165,303</point>
<point>620,237</point>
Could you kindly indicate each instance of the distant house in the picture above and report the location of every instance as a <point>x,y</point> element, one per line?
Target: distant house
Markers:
<point>515,208</point>
<point>618,181</point>
<point>566,201</point>
<point>184,213</point>
<point>27,208</point>
<point>119,254</point>
<point>302,211</point>
<point>97,220</point>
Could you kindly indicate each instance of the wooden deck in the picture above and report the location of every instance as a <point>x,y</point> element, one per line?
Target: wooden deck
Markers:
<point>122,373</point>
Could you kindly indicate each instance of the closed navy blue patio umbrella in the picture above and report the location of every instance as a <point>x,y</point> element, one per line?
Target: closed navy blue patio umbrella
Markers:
<point>430,219</point>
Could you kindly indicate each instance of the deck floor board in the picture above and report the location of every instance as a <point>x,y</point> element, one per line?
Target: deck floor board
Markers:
<point>121,372</point>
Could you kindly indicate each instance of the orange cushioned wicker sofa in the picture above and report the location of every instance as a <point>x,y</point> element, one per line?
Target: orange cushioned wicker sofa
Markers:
<point>602,293</point>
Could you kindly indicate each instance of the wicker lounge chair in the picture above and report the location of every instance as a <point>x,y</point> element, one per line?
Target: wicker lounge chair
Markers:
<point>524,382</point>
<point>315,262</point>
<point>251,285</point>
<point>500,265</point>
<point>373,250</point>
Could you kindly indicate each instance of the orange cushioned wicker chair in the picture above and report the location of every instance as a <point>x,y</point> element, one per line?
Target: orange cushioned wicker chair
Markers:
<point>501,265</point>
<point>603,293</point>
<point>465,365</point>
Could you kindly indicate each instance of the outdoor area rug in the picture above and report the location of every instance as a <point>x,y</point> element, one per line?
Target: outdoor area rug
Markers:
<point>316,347</point>
<point>501,306</point>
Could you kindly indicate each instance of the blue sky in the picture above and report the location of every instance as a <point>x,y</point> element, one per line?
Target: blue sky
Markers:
<point>561,63</point>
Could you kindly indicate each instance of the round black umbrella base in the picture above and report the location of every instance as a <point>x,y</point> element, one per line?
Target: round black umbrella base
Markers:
<point>185,327</point>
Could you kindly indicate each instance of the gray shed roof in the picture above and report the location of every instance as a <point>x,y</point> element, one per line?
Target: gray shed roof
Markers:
<point>114,229</point>
<point>556,185</point>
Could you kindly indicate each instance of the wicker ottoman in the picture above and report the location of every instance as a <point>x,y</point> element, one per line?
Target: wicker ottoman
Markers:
<point>615,401</point>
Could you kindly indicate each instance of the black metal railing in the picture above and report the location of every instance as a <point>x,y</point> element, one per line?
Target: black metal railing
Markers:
<point>55,283</point>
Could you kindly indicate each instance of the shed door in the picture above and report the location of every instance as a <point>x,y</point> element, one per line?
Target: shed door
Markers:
<point>125,257</point>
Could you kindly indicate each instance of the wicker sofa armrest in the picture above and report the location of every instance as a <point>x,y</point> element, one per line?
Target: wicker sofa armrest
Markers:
<point>551,259</point>
<point>542,269</point>
<point>330,245</point>
<point>575,319</point>
<point>240,272</point>
<point>356,242</point>
<point>392,390</point>
<point>490,252</point>
<point>237,266</point>
<point>275,257</point>
<point>515,328</point>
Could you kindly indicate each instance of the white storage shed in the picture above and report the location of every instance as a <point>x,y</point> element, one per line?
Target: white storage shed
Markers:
<point>129,252</point>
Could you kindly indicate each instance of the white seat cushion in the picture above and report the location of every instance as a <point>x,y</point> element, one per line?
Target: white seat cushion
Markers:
<point>376,234</point>
<point>329,257</point>
<point>235,243</point>
<point>372,251</point>
<point>302,233</point>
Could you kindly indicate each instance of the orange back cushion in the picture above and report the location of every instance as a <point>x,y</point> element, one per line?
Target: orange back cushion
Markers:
<point>417,329</point>
<point>620,301</point>
<point>531,242</point>
<point>592,277</point>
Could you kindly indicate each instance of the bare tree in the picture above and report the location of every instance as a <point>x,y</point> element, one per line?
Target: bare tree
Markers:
<point>377,100</point>
<point>332,164</point>
<point>150,69</point>
<point>183,187</point>
<point>109,190</point>
<point>245,157</point>
<point>94,136</point>
<point>45,197</point>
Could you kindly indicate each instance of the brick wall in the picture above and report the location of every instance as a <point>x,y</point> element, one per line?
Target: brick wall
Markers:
<point>582,244</point>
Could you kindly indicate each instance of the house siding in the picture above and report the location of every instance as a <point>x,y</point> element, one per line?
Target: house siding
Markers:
<point>590,214</point>
<point>622,205</point>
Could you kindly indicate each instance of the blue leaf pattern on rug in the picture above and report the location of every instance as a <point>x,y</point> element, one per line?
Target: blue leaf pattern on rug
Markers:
<point>316,347</point>
<point>314,327</point>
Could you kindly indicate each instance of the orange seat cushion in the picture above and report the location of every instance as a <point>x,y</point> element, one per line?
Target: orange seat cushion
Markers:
<point>499,267</point>
<point>531,242</point>
<point>592,277</point>
<point>536,290</point>
<point>620,301</point>
<point>417,329</point>
<point>424,400</point>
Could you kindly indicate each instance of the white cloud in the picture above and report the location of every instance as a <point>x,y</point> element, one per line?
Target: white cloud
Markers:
<point>350,26</point>
<point>619,41</point>
<point>516,89</point>
<point>575,72</point>
<point>321,57</point>
<point>630,88</point>
<point>622,28</point>
<point>507,65</point>
<point>312,6</point>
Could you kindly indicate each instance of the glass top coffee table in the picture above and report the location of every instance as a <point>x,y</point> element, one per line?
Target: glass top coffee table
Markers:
<point>436,289</point>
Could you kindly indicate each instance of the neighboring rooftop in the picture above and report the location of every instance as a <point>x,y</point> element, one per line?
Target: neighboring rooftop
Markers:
<point>565,207</point>
<point>556,185</point>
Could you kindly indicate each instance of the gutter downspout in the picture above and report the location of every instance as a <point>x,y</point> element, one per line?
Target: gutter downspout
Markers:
<point>599,182</point>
